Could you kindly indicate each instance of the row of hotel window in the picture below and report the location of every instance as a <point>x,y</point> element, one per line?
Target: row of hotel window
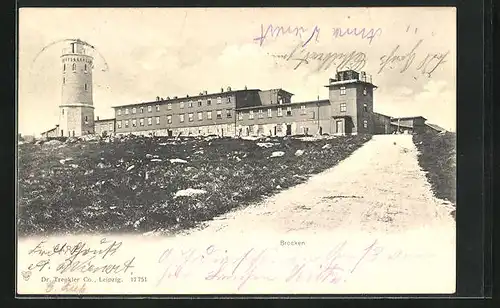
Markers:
<point>169,106</point>
<point>251,115</point>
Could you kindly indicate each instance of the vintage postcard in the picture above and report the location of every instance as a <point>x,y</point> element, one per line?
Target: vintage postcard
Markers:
<point>236,151</point>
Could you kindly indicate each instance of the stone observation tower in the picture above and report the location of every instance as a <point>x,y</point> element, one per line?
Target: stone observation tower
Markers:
<point>76,114</point>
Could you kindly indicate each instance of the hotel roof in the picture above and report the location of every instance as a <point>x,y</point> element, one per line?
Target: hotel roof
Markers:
<point>184,98</point>
<point>407,118</point>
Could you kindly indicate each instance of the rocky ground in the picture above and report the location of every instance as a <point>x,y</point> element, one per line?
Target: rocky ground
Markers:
<point>144,184</point>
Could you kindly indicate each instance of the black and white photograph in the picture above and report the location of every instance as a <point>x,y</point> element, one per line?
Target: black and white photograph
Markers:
<point>236,151</point>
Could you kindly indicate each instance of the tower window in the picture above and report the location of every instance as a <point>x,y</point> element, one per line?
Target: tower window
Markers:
<point>343,107</point>
<point>64,67</point>
<point>288,111</point>
<point>85,68</point>
<point>86,118</point>
<point>364,91</point>
<point>365,123</point>
<point>342,90</point>
<point>85,87</point>
<point>74,67</point>
<point>62,111</point>
<point>64,80</point>
<point>365,107</point>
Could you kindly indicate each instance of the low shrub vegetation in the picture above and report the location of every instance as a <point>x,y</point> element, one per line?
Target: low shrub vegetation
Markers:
<point>437,158</point>
<point>163,184</point>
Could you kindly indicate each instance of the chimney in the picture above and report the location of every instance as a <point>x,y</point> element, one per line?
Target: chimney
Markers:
<point>228,89</point>
<point>175,97</point>
<point>246,88</point>
<point>187,95</point>
<point>157,98</point>
<point>97,118</point>
<point>205,92</point>
<point>221,90</point>
<point>201,93</point>
<point>168,97</point>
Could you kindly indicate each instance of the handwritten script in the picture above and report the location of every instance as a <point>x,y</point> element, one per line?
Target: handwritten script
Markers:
<point>79,258</point>
<point>269,264</point>
<point>308,34</point>
<point>423,63</point>
<point>277,31</point>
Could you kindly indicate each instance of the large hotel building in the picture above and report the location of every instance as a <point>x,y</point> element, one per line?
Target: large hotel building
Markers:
<point>246,112</point>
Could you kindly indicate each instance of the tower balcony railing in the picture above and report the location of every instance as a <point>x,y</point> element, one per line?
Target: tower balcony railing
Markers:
<point>365,78</point>
<point>361,77</point>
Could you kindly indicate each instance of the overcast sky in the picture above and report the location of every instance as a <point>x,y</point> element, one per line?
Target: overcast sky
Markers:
<point>153,52</point>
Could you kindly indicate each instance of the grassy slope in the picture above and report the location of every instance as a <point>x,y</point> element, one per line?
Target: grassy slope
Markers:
<point>99,194</point>
<point>438,158</point>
